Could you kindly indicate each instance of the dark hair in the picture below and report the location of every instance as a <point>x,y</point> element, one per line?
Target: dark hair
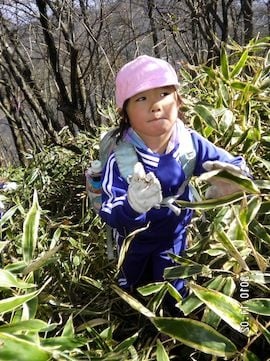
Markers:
<point>125,123</point>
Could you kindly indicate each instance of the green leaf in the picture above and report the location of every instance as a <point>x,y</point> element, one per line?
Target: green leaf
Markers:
<point>197,335</point>
<point>245,183</point>
<point>8,280</point>
<point>230,310</point>
<point>226,119</point>
<point>192,302</point>
<point>161,354</point>
<point>16,267</point>
<point>8,215</point>
<point>242,86</point>
<point>26,326</point>
<point>124,345</point>
<point>64,343</point>
<point>23,349</point>
<point>68,330</point>
<point>259,231</point>
<point>222,237</point>
<point>249,356</point>
<point>41,261</point>
<point>258,277</point>
<point>151,288</point>
<point>224,64</point>
<point>239,65</point>
<point>210,317</point>
<point>206,115</point>
<point>262,184</point>
<point>3,244</point>
<point>11,303</point>
<point>133,302</point>
<point>260,306</point>
<point>254,205</point>
<point>176,272</point>
<point>30,230</point>
<point>126,244</point>
<point>265,332</point>
<point>212,203</point>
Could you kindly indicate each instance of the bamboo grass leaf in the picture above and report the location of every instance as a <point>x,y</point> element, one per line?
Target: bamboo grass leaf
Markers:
<point>126,244</point>
<point>24,349</point>
<point>212,203</point>
<point>230,310</point>
<point>63,343</point>
<point>239,65</point>
<point>197,335</point>
<point>172,273</point>
<point>192,302</point>
<point>226,119</point>
<point>151,288</point>
<point>263,184</point>
<point>245,183</point>
<point>265,332</point>
<point>206,115</point>
<point>33,325</point>
<point>210,317</point>
<point>124,345</point>
<point>9,280</point>
<point>161,352</point>
<point>249,356</point>
<point>8,215</point>
<point>68,330</point>
<point>259,231</point>
<point>257,277</point>
<point>244,87</point>
<point>222,237</point>
<point>11,303</point>
<point>254,205</point>
<point>41,261</point>
<point>224,64</point>
<point>260,306</point>
<point>133,302</point>
<point>30,230</point>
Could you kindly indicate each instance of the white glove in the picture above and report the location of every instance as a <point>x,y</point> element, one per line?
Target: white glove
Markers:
<point>221,187</point>
<point>144,191</point>
<point>2,207</point>
<point>9,186</point>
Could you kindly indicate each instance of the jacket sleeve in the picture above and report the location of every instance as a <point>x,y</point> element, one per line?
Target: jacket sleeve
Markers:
<point>115,209</point>
<point>205,151</point>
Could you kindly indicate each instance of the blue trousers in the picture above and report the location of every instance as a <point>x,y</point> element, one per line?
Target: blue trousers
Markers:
<point>145,262</point>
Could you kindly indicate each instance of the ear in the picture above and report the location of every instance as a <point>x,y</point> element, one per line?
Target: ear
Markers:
<point>179,100</point>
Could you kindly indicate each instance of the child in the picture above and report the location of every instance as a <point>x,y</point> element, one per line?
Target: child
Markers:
<point>146,93</point>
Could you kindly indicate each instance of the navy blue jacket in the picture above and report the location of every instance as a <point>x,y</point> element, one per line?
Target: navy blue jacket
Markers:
<point>164,223</point>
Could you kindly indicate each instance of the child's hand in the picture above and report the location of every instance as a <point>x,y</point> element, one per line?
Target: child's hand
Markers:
<point>221,187</point>
<point>144,191</point>
<point>217,165</point>
<point>9,186</point>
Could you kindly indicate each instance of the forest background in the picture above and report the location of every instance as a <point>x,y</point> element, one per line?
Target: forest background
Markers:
<point>59,296</point>
<point>59,58</point>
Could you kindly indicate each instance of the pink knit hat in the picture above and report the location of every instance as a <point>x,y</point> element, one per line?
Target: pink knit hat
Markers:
<point>143,73</point>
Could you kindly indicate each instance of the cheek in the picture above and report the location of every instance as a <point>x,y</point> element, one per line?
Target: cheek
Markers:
<point>135,115</point>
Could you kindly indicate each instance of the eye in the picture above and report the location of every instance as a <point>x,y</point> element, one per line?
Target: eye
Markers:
<point>164,94</point>
<point>166,91</point>
<point>140,99</point>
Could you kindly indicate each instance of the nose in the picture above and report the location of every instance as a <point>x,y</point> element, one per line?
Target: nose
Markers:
<point>156,105</point>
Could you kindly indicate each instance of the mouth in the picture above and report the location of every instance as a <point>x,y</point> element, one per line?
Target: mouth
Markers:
<point>155,120</point>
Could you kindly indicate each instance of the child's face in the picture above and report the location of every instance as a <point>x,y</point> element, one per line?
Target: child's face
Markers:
<point>153,112</point>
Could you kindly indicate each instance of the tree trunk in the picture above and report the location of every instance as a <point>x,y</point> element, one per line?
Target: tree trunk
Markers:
<point>247,12</point>
<point>151,7</point>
